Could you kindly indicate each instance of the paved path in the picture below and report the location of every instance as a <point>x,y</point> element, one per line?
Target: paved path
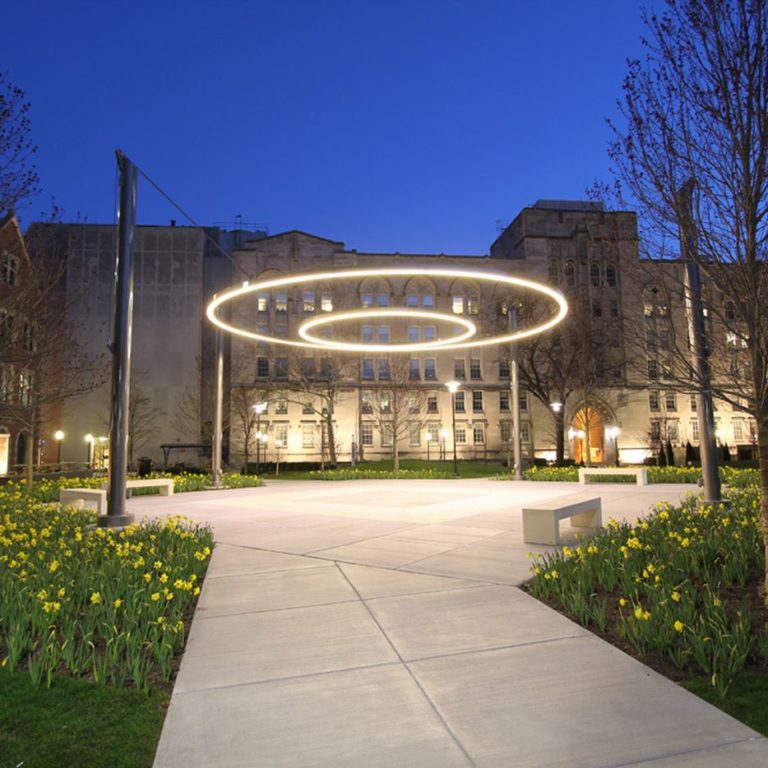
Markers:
<point>378,623</point>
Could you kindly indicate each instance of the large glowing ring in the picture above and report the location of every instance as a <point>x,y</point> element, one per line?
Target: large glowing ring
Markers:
<point>412,346</point>
<point>281,282</point>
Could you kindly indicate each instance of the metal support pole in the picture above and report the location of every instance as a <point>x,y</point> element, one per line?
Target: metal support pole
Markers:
<point>698,335</point>
<point>218,415</point>
<point>453,422</point>
<point>514,382</point>
<point>121,348</point>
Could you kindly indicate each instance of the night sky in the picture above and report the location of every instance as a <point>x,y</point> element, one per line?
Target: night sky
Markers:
<point>390,125</point>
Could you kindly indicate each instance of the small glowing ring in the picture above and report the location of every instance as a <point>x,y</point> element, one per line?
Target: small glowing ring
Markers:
<point>519,282</point>
<point>413,346</point>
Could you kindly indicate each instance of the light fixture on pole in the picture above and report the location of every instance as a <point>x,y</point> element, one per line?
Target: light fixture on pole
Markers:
<point>89,438</point>
<point>259,408</point>
<point>443,435</point>
<point>278,446</point>
<point>58,436</point>
<point>556,406</point>
<point>453,387</point>
<point>428,439</point>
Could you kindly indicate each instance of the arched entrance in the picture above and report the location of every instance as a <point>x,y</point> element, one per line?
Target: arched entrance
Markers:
<point>4,441</point>
<point>21,448</point>
<point>588,434</point>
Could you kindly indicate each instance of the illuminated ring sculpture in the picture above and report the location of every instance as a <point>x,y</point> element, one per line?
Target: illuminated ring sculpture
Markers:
<point>413,346</point>
<point>248,288</point>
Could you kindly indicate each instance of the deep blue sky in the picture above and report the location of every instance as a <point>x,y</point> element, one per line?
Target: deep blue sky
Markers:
<point>388,124</point>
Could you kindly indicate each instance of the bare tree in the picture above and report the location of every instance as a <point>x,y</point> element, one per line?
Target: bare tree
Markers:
<point>18,177</point>
<point>695,113</point>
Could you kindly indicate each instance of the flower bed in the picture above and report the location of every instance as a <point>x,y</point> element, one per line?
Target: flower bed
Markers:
<point>679,587</point>
<point>378,474</point>
<point>93,602</point>
<point>728,475</point>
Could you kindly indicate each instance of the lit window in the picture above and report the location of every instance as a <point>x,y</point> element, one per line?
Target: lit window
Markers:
<point>25,388</point>
<point>367,300</point>
<point>366,402</point>
<point>281,434</point>
<point>262,302</point>
<point>281,302</point>
<point>385,402</point>
<point>281,406</point>
<point>458,305</point>
<point>309,301</point>
<point>326,302</point>
<point>473,305</point>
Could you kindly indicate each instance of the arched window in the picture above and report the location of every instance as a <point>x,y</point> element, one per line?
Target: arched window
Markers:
<point>554,272</point>
<point>610,275</point>
<point>594,274</point>
<point>570,274</point>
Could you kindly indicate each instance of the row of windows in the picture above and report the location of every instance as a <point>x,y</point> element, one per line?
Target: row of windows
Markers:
<point>435,433</point>
<point>11,331</point>
<point>9,269</point>
<point>16,386</point>
<point>742,429</point>
<point>570,274</point>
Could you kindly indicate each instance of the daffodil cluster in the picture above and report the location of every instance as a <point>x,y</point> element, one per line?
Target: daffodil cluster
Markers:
<point>92,601</point>
<point>660,582</point>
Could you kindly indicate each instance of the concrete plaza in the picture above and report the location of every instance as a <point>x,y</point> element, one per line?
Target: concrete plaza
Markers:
<point>379,623</point>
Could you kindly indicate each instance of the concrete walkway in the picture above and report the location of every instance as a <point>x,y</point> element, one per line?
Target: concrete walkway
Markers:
<point>378,623</point>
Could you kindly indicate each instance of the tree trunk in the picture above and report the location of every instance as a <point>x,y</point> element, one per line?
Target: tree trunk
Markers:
<point>395,455</point>
<point>559,437</point>
<point>331,435</point>
<point>29,458</point>
<point>762,452</point>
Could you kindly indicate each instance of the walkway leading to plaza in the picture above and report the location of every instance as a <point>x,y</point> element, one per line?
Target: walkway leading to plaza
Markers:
<point>379,623</point>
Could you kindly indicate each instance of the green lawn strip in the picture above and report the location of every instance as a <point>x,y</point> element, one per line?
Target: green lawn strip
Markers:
<point>77,723</point>
<point>747,698</point>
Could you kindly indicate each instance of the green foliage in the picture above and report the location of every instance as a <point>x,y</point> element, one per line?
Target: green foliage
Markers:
<point>735,478</point>
<point>75,723</point>
<point>665,578</point>
<point>98,603</point>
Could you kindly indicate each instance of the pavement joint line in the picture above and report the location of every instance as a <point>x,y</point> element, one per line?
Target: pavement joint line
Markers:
<point>402,569</point>
<point>413,677</point>
<point>277,610</point>
<point>318,567</point>
<point>698,750</point>
<point>288,678</point>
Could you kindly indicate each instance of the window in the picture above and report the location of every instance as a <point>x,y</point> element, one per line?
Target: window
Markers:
<point>428,333</point>
<point>433,430</point>
<point>412,300</point>
<point>281,368</point>
<point>281,329</point>
<point>474,369</point>
<point>307,406</point>
<point>504,370</point>
<point>307,435</point>
<point>414,373</point>
<point>431,403</point>
<point>6,383</point>
<point>666,370</point>
<point>610,275</point>
<point>506,431</point>
<point>386,436</point>
<point>366,299</point>
<point>430,369</point>
<point>613,308</point>
<point>738,429</point>
<point>523,400</point>
<point>308,367</point>
<point>6,326</point>
<point>383,334</point>
<point>693,403</point>
<point>594,274</point>
<point>525,433</point>
<point>428,300</point>
<point>413,333</point>
<point>262,302</point>
<point>366,369</point>
<point>653,401</point>
<point>478,434</point>
<point>570,274</point>
<point>653,370</point>
<point>504,400</point>
<point>9,269</point>
<point>366,433</point>
<point>385,402</point>
<point>262,367</point>
<point>383,299</point>
<point>695,429</point>
<point>366,402</point>
<point>383,369</point>
<point>414,434</point>
<point>25,388</point>
<point>671,401</point>
<point>473,305</point>
<point>461,434</point>
<point>459,369</point>
<point>457,305</point>
<point>326,301</point>
<point>281,406</point>
<point>281,434</point>
<point>477,402</point>
<point>459,399</point>
<point>554,272</point>
<point>414,406</point>
<point>366,333</point>
<point>281,302</point>
<point>655,430</point>
<point>309,301</point>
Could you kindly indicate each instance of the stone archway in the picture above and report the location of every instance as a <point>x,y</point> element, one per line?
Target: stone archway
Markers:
<point>5,438</point>
<point>588,435</point>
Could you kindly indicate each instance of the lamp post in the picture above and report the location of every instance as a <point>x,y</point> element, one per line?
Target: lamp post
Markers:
<point>89,441</point>
<point>443,435</point>
<point>58,436</point>
<point>613,434</point>
<point>428,440</point>
<point>453,387</point>
<point>278,446</point>
<point>514,384</point>
<point>259,408</point>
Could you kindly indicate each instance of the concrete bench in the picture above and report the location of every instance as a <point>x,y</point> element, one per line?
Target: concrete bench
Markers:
<point>541,524</point>
<point>163,483</point>
<point>77,497</point>
<point>640,473</point>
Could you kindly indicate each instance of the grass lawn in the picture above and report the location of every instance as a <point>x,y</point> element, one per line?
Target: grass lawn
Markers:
<point>467,469</point>
<point>77,723</point>
<point>747,698</point>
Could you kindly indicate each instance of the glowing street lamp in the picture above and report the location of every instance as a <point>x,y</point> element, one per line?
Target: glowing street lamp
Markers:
<point>58,436</point>
<point>259,408</point>
<point>453,387</point>
<point>89,438</point>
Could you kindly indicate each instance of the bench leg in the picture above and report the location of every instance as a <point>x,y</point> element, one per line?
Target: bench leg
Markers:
<point>166,490</point>
<point>540,528</point>
<point>592,519</point>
